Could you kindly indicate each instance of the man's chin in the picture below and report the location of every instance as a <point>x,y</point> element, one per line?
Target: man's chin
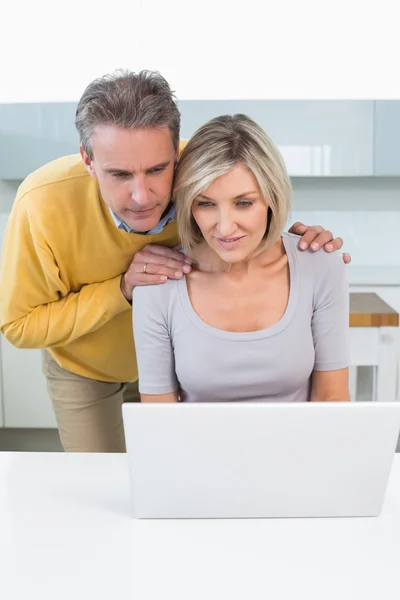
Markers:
<point>142,225</point>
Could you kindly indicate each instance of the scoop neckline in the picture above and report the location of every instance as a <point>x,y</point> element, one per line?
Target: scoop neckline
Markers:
<point>248,335</point>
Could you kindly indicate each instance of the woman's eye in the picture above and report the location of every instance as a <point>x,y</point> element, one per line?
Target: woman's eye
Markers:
<point>204,204</point>
<point>245,203</point>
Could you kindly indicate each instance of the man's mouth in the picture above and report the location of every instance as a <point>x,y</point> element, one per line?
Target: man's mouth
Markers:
<point>144,213</point>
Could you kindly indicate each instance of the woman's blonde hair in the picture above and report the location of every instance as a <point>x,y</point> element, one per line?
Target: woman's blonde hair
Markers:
<point>214,150</point>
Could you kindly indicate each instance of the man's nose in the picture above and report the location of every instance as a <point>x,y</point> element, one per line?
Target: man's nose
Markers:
<point>140,191</point>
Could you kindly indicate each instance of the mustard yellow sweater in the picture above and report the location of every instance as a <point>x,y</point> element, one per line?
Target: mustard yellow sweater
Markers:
<point>62,261</point>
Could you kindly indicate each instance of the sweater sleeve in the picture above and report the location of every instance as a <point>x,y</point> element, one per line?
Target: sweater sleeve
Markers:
<point>37,309</point>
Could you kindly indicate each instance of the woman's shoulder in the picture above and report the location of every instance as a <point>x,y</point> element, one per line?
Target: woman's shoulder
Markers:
<point>310,258</point>
<point>157,296</point>
<point>317,270</point>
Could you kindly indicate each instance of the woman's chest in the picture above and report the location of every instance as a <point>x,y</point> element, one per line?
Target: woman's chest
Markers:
<point>214,368</point>
<point>250,306</point>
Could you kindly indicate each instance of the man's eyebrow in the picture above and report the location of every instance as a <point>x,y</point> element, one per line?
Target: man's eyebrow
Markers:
<point>116,170</point>
<point>161,165</point>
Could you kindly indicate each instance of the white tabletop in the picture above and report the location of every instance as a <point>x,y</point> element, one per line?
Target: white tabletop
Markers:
<point>66,532</point>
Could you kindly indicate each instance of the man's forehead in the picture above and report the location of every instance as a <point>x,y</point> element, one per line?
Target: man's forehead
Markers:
<point>132,149</point>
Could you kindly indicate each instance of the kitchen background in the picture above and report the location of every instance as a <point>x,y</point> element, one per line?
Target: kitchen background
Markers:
<point>344,162</point>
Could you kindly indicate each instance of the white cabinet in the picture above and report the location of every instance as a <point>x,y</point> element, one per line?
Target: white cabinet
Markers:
<point>315,137</point>
<point>25,399</point>
<point>323,138</point>
<point>37,133</point>
<point>386,139</point>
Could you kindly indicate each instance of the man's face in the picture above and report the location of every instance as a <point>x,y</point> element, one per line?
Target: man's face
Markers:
<point>135,169</point>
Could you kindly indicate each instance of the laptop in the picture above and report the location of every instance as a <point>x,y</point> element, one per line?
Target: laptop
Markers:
<point>251,459</point>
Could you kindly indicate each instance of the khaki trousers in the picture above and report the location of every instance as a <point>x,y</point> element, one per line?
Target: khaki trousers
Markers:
<point>88,412</point>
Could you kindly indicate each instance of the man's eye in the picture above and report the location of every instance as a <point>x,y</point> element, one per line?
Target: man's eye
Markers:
<point>120,175</point>
<point>157,170</point>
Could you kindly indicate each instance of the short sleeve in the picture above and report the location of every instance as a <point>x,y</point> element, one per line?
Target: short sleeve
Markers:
<point>153,343</point>
<point>330,320</point>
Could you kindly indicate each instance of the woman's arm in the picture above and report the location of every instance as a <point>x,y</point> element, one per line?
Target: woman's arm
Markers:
<point>330,329</point>
<point>330,386</point>
<point>171,397</point>
<point>153,343</point>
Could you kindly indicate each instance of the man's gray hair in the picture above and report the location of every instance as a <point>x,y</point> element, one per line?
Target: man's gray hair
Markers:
<point>127,100</point>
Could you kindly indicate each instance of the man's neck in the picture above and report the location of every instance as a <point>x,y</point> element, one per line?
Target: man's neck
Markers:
<point>166,211</point>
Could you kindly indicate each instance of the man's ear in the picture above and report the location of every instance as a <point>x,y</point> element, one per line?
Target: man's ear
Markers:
<point>87,161</point>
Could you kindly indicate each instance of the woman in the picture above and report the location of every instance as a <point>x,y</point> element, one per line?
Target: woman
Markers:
<point>257,319</point>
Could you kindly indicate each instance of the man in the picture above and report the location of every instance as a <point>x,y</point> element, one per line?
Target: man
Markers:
<point>83,232</point>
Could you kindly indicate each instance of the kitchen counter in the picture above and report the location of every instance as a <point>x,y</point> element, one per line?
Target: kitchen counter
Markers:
<point>66,532</point>
<point>369,310</point>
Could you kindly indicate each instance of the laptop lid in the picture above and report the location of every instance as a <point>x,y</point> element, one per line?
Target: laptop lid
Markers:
<point>221,460</point>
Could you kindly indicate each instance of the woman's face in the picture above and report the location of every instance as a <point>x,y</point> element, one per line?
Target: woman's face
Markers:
<point>232,215</point>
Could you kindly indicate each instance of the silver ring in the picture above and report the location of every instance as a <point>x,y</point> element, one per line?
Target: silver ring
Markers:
<point>144,268</point>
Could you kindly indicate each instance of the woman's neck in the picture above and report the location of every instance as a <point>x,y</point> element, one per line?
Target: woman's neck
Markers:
<point>206,260</point>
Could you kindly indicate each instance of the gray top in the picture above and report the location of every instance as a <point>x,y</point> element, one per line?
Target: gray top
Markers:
<point>176,349</point>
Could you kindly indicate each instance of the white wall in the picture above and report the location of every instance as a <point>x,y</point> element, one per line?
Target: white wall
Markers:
<point>222,49</point>
<point>364,211</point>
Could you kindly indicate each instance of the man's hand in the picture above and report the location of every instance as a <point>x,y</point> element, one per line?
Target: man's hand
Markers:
<point>151,265</point>
<point>316,237</point>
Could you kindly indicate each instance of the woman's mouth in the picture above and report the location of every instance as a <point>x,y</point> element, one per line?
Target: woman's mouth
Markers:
<point>230,243</point>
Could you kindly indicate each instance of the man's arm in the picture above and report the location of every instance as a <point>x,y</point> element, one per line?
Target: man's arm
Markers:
<point>37,309</point>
